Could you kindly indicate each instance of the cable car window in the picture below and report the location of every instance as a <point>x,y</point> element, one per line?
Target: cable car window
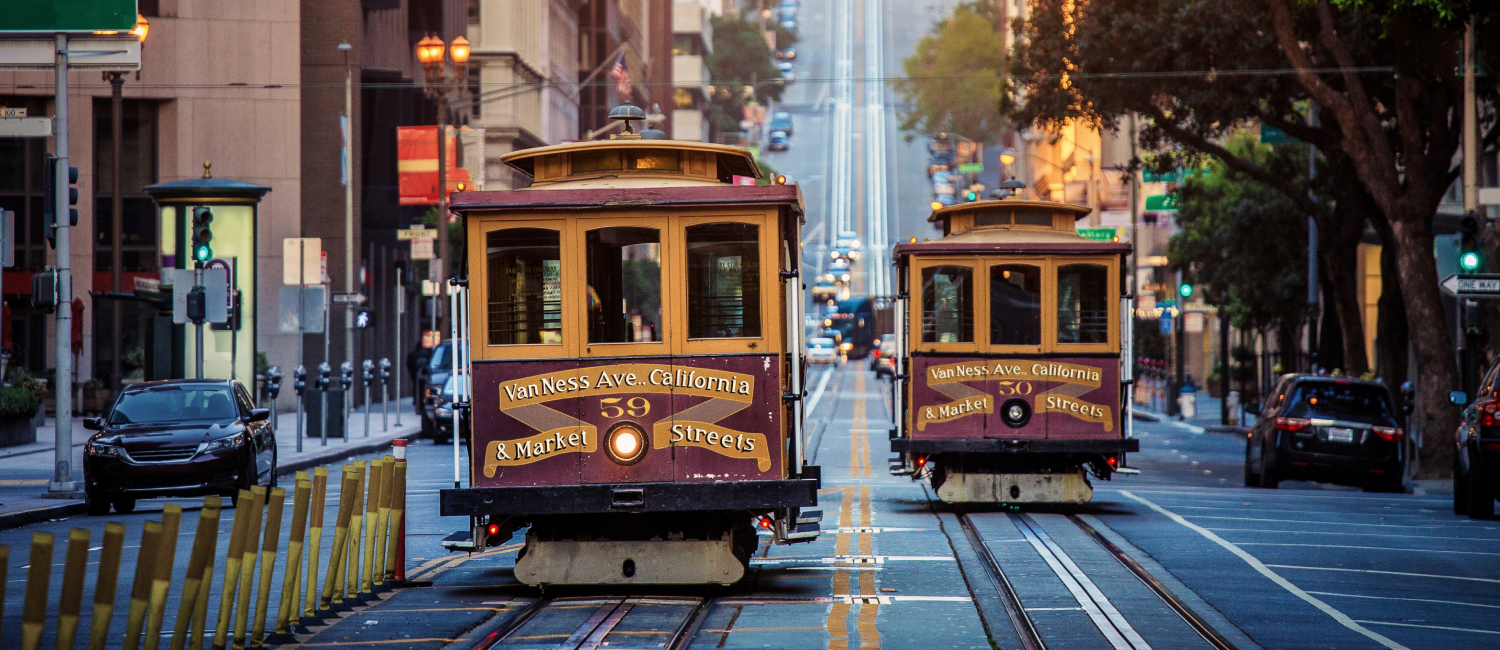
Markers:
<point>1033,218</point>
<point>659,161</point>
<point>992,218</point>
<point>525,286</point>
<point>596,161</point>
<point>1016,304</point>
<point>1083,303</point>
<point>624,285</point>
<point>723,274</point>
<point>948,304</point>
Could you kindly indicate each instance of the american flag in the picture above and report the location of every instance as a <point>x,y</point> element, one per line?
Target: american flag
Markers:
<point>621,76</point>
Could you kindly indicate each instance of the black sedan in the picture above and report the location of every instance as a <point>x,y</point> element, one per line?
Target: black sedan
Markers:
<point>1334,430</point>
<point>442,416</point>
<point>181,437</point>
<point>1476,459</point>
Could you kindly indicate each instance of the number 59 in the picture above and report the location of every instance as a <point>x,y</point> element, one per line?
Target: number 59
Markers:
<point>636,406</point>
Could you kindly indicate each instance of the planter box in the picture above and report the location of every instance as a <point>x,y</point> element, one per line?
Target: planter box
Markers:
<point>17,432</point>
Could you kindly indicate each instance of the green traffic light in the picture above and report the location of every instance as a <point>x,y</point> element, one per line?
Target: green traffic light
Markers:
<point>1186,290</point>
<point>203,253</point>
<point>1469,260</point>
<point>972,196</point>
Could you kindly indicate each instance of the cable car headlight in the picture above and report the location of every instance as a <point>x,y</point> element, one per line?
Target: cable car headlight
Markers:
<point>1015,412</point>
<point>625,443</point>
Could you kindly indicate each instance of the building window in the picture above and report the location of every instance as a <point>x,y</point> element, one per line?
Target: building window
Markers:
<point>138,166</point>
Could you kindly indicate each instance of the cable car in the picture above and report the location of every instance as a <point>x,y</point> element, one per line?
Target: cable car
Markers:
<point>635,359</point>
<point>1011,382</point>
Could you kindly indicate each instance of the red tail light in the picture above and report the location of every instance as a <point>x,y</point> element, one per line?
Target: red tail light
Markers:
<point>921,460</point>
<point>765,522</point>
<point>877,353</point>
<point>1112,461</point>
<point>1388,433</point>
<point>1293,424</point>
<point>1489,414</point>
<point>494,529</point>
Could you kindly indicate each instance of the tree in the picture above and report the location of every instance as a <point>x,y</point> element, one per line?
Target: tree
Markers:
<point>741,60</point>
<point>953,79</point>
<point>1198,68</point>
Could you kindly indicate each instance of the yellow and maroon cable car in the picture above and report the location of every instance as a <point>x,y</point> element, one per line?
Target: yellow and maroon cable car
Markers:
<point>634,332</point>
<point>1011,383</point>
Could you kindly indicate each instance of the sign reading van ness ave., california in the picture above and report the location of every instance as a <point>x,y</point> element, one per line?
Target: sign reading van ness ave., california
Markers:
<point>1069,396</point>
<point>713,419</point>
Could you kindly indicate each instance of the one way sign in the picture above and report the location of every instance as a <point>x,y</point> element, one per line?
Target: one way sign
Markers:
<point>1473,285</point>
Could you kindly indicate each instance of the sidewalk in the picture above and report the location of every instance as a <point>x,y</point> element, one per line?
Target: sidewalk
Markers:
<point>1206,417</point>
<point>26,469</point>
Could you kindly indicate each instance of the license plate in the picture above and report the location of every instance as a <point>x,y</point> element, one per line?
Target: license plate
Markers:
<point>1336,434</point>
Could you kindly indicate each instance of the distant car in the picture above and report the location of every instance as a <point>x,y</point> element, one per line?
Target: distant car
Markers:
<point>884,358</point>
<point>822,350</point>
<point>786,70</point>
<point>788,12</point>
<point>435,375</point>
<point>778,141</point>
<point>782,120</point>
<point>442,416</point>
<point>788,54</point>
<point>788,3</point>
<point>839,264</point>
<point>944,199</point>
<point>180,437</point>
<point>1476,461</point>
<point>833,334</point>
<point>1328,429</point>
<point>789,25</point>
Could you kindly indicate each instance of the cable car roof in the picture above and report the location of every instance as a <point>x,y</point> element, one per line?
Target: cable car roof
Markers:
<point>973,228</point>
<point>731,160</point>
<point>947,212</point>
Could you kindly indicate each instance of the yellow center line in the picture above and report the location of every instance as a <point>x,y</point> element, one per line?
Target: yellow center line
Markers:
<point>350,644</point>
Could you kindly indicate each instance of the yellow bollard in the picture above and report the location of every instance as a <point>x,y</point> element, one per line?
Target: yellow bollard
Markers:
<point>349,577</point>
<point>198,623</point>
<point>38,578</point>
<point>393,548</point>
<point>293,572</point>
<point>249,553</point>
<point>161,581</point>
<point>383,518</point>
<point>268,549</point>
<point>72,588</point>
<point>140,589</point>
<point>332,588</point>
<point>105,583</point>
<point>242,509</point>
<point>314,548</point>
<point>372,509</point>
<point>192,585</point>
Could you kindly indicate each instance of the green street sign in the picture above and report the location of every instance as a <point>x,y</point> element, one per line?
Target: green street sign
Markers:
<point>1149,176</point>
<point>68,16</point>
<point>971,168</point>
<point>1097,234</point>
<point>1161,202</point>
<point>1273,135</point>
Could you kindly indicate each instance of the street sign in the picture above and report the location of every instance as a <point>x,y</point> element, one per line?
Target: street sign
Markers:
<point>1489,196</point>
<point>7,238</point>
<point>1097,234</point>
<point>350,298</point>
<point>306,317</point>
<point>1148,176</point>
<point>215,289</point>
<point>1273,135</point>
<point>1161,203</point>
<point>416,233</point>
<point>1479,285</point>
<point>1165,322</point>
<point>971,168</point>
<point>309,250</point>
<point>25,127</point>
<point>117,53</point>
<point>421,249</point>
<point>68,16</point>
<point>12,113</point>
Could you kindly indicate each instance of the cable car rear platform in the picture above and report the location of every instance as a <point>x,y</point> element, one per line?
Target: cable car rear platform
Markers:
<point>633,497</point>
<point>1015,446</point>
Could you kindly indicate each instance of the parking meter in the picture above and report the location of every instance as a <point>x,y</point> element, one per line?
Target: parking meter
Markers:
<point>324,370</point>
<point>346,375</point>
<point>273,382</point>
<point>385,370</point>
<point>368,368</point>
<point>299,380</point>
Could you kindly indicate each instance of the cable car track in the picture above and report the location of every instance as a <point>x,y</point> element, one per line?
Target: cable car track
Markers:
<point>1110,621</point>
<point>592,622</point>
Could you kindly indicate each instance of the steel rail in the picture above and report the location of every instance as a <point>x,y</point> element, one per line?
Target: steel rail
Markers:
<point>1019,619</point>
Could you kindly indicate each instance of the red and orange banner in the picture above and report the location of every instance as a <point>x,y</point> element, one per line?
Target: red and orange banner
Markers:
<point>417,163</point>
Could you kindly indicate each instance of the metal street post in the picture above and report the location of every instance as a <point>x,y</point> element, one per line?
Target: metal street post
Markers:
<point>366,367</point>
<point>117,207</point>
<point>1470,125</point>
<point>62,479</point>
<point>198,322</point>
<point>400,311</point>
<point>348,164</point>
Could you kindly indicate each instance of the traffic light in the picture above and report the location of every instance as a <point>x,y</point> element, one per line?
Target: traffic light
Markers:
<point>971,196</point>
<point>202,235</point>
<point>197,305</point>
<point>1470,259</point>
<point>1185,290</point>
<point>49,198</point>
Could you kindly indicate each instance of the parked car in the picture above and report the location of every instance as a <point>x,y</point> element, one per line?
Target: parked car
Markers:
<point>782,120</point>
<point>1476,461</point>
<point>822,350</point>
<point>1328,429</point>
<point>442,416</point>
<point>790,25</point>
<point>786,70</point>
<point>179,437</point>
<point>787,54</point>
<point>778,141</point>
<point>435,375</point>
<point>882,358</point>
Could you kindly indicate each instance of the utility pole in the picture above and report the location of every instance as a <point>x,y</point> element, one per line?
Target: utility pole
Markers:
<point>117,209</point>
<point>440,318</point>
<point>1312,253</point>
<point>62,480</point>
<point>348,161</point>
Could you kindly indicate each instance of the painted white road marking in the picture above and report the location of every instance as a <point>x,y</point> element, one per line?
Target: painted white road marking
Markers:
<point>1275,577</point>
<point>1366,548</point>
<point>818,392</point>
<point>1433,627</point>
<point>1415,600</point>
<point>1389,573</point>
<point>1105,616</point>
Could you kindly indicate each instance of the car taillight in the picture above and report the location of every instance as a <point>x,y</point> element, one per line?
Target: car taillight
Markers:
<point>1388,433</point>
<point>1489,414</point>
<point>877,354</point>
<point>1293,424</point>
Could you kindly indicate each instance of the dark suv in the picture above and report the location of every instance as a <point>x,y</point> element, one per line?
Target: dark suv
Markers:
<point>1476,461</point>
<point>1329,429</point>
<point>181,437</point>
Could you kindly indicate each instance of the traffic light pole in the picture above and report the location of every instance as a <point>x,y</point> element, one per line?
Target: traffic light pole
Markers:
<point>198,322</point>
<point>62,480</point>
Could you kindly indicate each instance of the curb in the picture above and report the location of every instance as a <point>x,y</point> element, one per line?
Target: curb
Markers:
<point>1230,429</point>
<point>20,518</point>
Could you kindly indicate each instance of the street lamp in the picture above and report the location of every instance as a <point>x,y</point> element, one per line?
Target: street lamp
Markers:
<point>433,52</point>
<point>116,200</point>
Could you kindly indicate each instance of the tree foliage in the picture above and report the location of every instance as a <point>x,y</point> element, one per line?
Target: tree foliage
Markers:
<point>953,79</point>
<point>741,59</point>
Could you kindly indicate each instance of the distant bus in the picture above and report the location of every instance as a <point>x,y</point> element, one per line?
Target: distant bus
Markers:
<point>855,319</point>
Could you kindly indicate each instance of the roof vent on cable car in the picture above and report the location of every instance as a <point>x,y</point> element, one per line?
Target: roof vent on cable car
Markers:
<point>653,134</point>
<point>1008,189</point>
<point>627,113</point>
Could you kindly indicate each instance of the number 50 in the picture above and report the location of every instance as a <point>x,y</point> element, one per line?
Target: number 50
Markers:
<point>636,406</point>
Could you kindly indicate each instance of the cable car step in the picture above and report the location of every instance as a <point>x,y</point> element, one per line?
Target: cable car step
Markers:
<point>900,468</point>
<point>461,542</point>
